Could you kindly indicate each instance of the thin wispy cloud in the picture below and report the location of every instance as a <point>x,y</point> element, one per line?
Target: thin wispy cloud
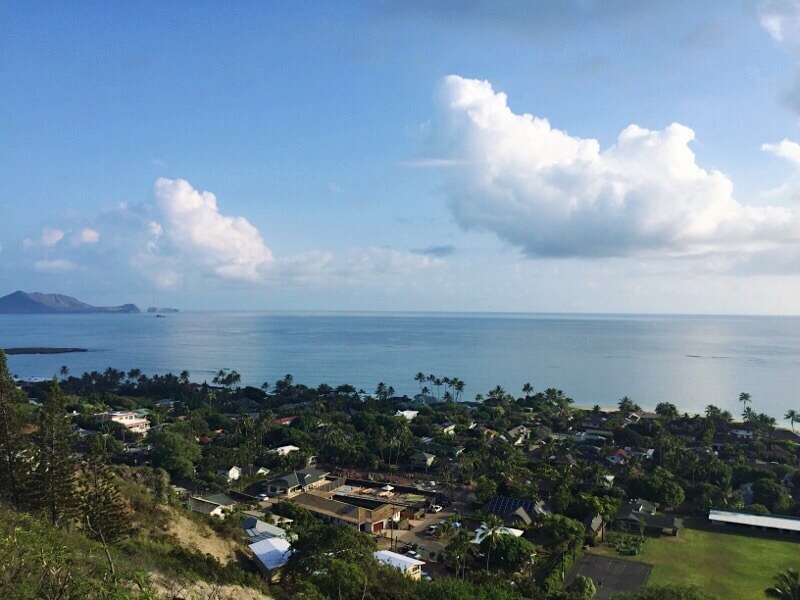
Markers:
<point>54,266</point>
<point>431,163</point>
<point>436,251</point>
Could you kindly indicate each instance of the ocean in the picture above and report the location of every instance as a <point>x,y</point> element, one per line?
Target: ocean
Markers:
<point>691,361</point>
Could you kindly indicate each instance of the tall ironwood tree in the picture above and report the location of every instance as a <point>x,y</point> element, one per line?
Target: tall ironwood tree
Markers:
<point>13,457</point>
<point>54,472</point>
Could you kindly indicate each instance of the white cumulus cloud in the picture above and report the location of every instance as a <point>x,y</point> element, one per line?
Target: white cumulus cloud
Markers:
<point>554,194</point>
<point>88,236</point>
<point>51,236</point>
<point>781,19</point>
<point>231,247</point>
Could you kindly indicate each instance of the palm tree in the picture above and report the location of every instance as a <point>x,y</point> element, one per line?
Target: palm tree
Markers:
<point>64,371</point>
<point>787,585</point>
<point>527,389</point>
<point>459,387</point>
<point>458,550</point>
<point>265,386</point>
<point>184,377</point>
<point>793,417</point>
<point>748,414</point>
<point>493,526</point>
<point>744,398</point>
<point>420,378</point>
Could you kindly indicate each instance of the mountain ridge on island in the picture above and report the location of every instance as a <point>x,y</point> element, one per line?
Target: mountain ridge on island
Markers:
<point>36,303</point>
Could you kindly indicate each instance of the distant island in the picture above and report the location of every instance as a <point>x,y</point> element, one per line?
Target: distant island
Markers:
<point>35,303</point>
<point>43,350</point>
<point>154,309</point>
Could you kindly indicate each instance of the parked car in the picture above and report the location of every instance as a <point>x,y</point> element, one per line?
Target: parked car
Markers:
<point>435,508</point>
<point>432,529</point>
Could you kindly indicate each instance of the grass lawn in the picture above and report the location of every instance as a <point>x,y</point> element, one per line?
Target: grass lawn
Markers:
<point>732,566</point>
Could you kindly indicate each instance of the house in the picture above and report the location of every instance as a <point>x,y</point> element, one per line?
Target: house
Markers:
<point>231,474</point>
<point>338,512</point>
<point>285,420</point>
<point>422,460</point>
<point>128,419</point>
<point>641,514</point>
<point>215,505</point>
<point>594,422</point>
<point>766,522</point>
<point>563,459</point>
<point>619,457</point>
<point>584,437</point>
<point>256,530</point>
<point>284,450</point>
<point>517,435</point>
<point>255,471</point>
<point>409,415</point>
<point>423,399</point>
<point>167,404</point>
<point>515,511</point>
<point>643,453</point>
<point>410,567</point>
<point>295,482</point>
<point>742,432</point>
<point>446,428</point>
<point>270,555</point>
<point>442,450</point>
<point>594,525</point>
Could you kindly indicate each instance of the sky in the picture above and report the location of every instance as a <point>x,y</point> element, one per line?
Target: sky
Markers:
<point>525,156</point>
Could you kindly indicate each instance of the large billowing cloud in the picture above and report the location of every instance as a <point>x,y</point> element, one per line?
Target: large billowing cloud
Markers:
<point>231,247</point>
<point>554,194</point>
<point>191,231</point>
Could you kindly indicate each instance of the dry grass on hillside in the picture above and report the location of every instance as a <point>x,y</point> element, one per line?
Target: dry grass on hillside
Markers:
<point>171,589</point>
<point>198,536</point>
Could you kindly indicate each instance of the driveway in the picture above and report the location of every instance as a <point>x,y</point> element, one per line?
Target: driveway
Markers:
<point>418,534</point>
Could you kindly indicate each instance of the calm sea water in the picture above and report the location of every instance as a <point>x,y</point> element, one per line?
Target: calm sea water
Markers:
<point>690,361</point>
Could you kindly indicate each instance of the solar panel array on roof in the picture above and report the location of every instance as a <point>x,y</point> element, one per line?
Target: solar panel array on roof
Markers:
<point>505,505</point>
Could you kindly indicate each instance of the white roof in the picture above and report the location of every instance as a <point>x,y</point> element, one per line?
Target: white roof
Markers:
<point>387,488</point>
<point>482,531</point>
<point>408,414</point>
<point>273,553</point>
<point>771,521</point>
<point>398,561</point>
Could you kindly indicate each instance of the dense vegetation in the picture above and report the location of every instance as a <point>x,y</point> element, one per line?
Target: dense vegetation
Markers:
<point>81,486</point>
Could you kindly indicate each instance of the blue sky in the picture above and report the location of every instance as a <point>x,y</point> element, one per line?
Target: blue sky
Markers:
<point>349,172</point>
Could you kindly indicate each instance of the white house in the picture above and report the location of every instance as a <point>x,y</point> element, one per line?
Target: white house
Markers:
<point>215,505</point>
<point>284,450</point>
<point>129,419</point>
<point>231,474</point>
<point>271,554</point>
<point>411,567</point>
<point>410,415</point>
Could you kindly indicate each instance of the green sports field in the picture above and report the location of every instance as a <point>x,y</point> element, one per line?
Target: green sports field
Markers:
<point>731,564</point>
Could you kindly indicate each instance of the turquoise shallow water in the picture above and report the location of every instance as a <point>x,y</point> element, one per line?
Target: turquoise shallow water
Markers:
<point>596,359</point>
